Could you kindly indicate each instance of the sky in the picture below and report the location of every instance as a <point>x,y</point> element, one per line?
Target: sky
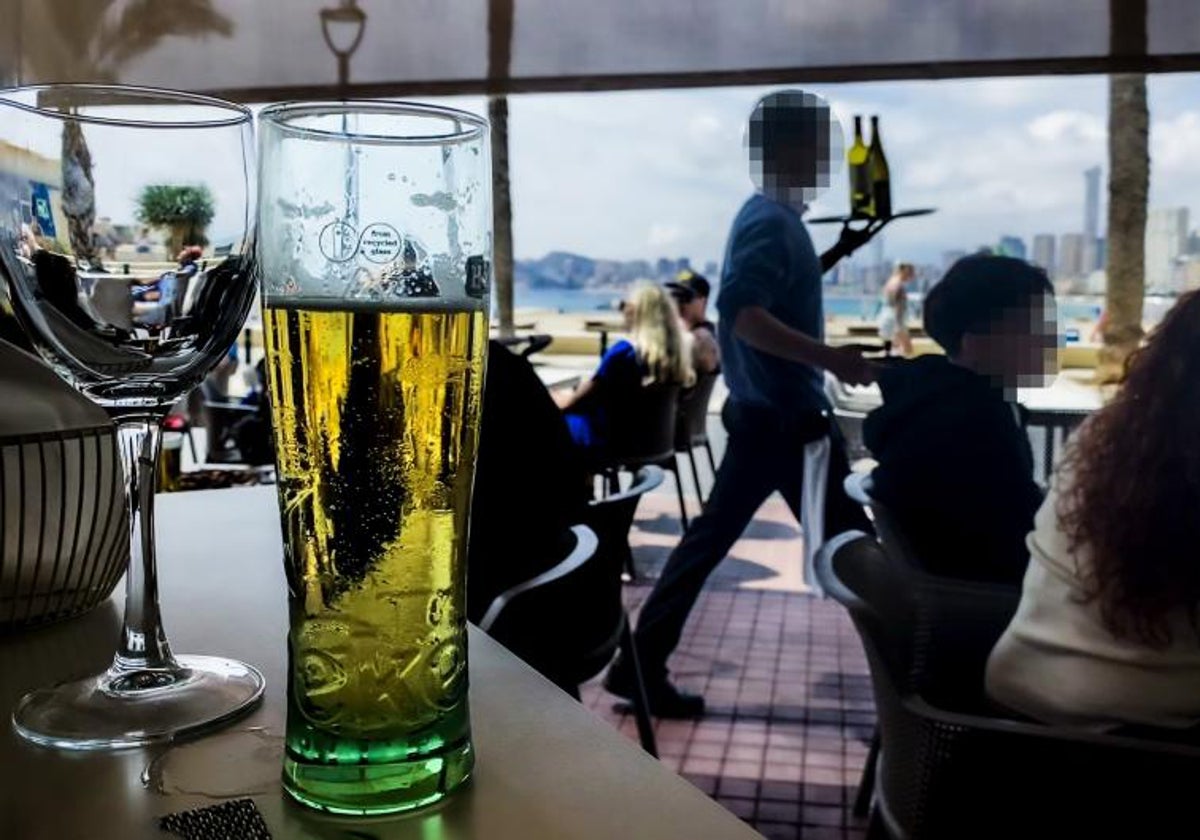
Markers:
<point>662,173</point>
<point>641,175</point>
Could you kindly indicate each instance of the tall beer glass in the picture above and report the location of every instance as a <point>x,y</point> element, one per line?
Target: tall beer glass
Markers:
<point>376,252</point>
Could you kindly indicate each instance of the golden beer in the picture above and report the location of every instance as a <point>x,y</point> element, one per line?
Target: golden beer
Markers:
<point>375,421</point>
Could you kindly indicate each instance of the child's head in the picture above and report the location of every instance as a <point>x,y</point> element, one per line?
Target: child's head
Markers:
<point>995,315</point>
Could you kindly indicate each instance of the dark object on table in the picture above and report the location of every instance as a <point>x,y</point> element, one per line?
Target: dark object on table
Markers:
<point>64,540</point>
<point>238,819</point>
<point>220,478</point>
<point>949,766</point>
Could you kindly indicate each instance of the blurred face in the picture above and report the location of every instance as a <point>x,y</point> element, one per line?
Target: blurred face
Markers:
<point>1021,348</point>
<point>692,312</point>
<point>793,141</point>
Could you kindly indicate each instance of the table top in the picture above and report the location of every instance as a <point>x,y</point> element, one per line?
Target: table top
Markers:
<point>557,377</point>
<point>546,767</point>
<point>1065,394</point>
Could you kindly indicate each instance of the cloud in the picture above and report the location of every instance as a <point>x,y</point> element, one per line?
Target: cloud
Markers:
<point>664,235</point>
<point>1067,127</point>
<point>622,174</point>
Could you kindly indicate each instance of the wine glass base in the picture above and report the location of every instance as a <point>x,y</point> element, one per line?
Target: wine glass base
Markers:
<point>120,709</point>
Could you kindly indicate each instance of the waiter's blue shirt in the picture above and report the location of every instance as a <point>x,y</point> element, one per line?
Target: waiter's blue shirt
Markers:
<point>770,262</point>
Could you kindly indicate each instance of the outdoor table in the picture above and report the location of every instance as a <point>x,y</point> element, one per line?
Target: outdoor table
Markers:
<point>1058,410</point>
<point>546,767</point>
<point>556,378</point>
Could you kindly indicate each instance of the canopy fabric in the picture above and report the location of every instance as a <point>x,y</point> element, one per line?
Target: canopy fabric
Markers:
<point>276,49</point>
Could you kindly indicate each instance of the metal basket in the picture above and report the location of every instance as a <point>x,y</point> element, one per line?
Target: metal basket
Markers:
<point>63,533</point>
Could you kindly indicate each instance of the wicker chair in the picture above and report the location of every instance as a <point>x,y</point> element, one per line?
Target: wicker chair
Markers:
<point>950,765</point>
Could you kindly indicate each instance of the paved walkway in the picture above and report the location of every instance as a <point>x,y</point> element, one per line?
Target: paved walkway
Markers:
<point>790,710</point>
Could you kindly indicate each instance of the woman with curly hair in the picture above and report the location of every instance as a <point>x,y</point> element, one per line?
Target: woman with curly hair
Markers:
<point>1108,628</point>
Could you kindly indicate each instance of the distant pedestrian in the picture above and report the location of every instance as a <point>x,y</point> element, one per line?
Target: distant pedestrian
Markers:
<point>893,317</point>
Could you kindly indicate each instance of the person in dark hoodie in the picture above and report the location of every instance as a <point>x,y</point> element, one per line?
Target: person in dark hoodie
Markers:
<point>955,464</point>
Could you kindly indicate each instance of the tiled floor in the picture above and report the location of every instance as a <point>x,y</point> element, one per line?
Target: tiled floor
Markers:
<point>790,714</point>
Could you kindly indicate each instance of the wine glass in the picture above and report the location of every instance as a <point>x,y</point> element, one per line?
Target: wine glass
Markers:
<point>125,240</point>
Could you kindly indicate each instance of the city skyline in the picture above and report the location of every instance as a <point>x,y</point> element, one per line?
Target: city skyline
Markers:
<point>664,172</point>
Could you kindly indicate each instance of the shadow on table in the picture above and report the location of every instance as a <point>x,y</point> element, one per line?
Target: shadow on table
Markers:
<point>48,655</point>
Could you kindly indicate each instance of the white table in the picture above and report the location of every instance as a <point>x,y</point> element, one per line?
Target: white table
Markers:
<point>555,378</point>
<point>547,768</point>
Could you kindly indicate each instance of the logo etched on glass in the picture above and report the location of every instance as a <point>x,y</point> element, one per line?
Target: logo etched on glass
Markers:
<point>338,241</point>
<point>380,243</point>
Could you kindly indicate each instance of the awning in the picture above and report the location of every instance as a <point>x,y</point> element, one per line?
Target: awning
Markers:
<point>275,49</point>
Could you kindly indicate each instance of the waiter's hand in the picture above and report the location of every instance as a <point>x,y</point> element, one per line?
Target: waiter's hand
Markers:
<point>848,365</point>
<point>851,239</point>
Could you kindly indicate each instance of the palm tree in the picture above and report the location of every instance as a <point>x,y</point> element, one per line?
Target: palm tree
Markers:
<point>501,213</point>
<point>94,41</point>
<point>184,211</point>
<point>1128,185</point>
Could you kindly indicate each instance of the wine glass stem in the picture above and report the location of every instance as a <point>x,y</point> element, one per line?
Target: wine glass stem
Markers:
<point>143,643</point>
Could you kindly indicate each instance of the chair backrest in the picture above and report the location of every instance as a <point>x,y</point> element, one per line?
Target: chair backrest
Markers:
<point>612,517</point>
<point>950,767</point>
<point>526,345</point>
<point>887,527</point>
<point>691,424</point>
<point>642,426</point>
<point>566,622</point>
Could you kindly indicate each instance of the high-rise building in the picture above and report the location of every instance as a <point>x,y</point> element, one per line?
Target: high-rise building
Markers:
<point>1043,251</point>
<point>1091,254</point>
<point>1091,202</point>
<point>1166,242</point>
<point>1070,255</point>
<point>711,270</point>
<point>1011,246</point>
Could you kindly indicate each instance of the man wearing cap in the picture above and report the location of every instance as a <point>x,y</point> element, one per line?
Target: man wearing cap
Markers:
<point>690,291</point>
<point>772,354</point>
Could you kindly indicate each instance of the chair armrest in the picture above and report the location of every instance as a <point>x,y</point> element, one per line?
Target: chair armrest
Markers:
<point>652,477</point>
<point>586,543</point>
<point>858,488</point>
<point>230,407</point>
<point>1010,727</point>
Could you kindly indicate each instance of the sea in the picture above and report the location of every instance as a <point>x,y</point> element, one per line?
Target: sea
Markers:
<point>1075,308</point>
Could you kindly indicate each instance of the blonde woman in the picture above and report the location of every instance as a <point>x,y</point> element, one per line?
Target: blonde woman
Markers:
<point>657,353</point>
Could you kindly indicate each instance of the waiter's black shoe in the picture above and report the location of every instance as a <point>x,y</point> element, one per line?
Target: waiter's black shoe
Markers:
<point>666,701</point>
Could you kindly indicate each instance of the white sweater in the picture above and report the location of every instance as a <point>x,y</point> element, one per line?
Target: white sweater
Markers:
<point>1058,663</point>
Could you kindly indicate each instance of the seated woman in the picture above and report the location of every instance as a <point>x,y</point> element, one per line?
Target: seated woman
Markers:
<point>656,354</point>
<point>1107,630</point>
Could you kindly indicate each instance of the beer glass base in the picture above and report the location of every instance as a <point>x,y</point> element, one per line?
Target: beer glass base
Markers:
<point>378,788</point>
<point>129,708</point>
